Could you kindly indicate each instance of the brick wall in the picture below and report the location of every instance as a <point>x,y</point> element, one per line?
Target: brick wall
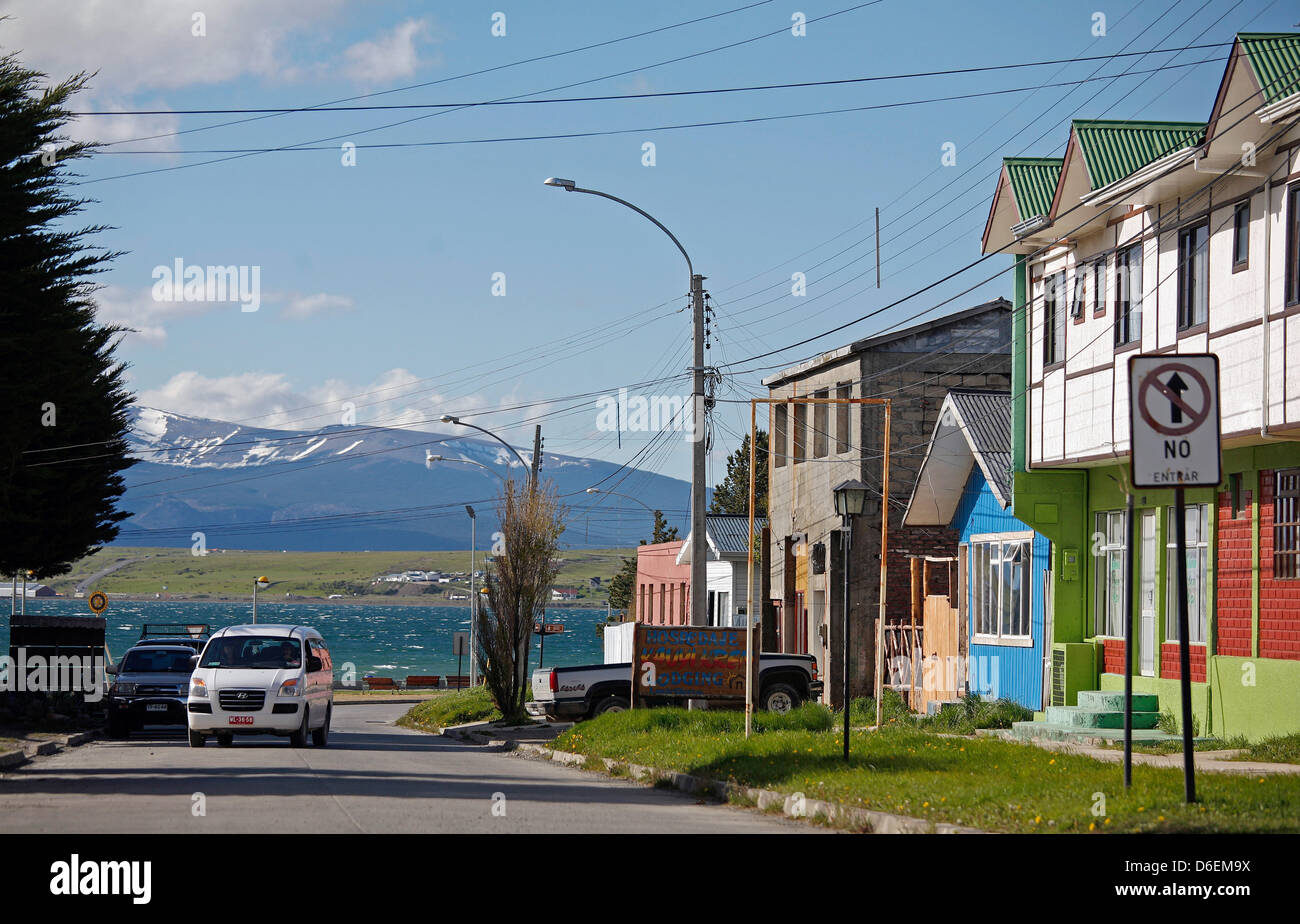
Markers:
<point>1279,600</point>
<point>1112,656</point>
<point>917,540</point>
<point>1169,667</point>
<point>1233,577</point>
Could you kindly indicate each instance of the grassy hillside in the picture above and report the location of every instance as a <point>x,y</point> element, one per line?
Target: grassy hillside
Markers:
<point>230,573</point>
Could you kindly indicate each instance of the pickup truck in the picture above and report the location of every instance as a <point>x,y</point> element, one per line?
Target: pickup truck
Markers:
<point>576,693</point>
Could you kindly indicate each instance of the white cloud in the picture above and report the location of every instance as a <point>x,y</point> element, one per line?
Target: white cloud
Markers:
<point>389,56</point>
<point>144,132</point>
<point>150,44</point>
<point>302,307</point>
<point>147,317</point>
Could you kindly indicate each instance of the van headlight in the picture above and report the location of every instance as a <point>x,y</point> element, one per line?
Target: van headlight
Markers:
<point>198,689</point>
<point>123,689</point>
<point>289,687</point>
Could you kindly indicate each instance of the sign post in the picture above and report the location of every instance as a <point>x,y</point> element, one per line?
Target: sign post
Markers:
<point>460,647</point>
<point>1174,434</point>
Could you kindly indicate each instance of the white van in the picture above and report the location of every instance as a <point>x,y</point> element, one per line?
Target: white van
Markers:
<point>262,679</point>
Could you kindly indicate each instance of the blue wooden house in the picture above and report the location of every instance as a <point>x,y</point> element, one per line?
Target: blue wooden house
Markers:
<point>964,483</point>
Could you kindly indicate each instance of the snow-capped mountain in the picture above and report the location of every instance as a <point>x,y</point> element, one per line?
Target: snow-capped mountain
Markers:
<point>355,487</point>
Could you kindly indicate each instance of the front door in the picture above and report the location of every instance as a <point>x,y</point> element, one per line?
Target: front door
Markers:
<point>1147,597</point>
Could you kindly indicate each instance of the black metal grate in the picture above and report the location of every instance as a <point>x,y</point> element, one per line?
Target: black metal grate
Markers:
<point>1058,677</point>
<point>241,700</point>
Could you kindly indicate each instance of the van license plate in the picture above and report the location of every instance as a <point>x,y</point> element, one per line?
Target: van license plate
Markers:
<point>241,720</point>
<point>155,707</point>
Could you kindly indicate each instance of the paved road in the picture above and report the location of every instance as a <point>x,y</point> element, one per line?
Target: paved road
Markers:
<point>372,778</point>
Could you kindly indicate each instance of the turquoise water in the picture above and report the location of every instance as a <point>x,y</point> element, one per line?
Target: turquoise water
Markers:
<point>390,641</point>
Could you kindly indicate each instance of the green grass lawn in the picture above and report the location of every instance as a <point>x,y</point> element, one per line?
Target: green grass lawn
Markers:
<point>453,708</point>
<point>990,784</point>
<point>1283,749</point>
<point>230,573</point>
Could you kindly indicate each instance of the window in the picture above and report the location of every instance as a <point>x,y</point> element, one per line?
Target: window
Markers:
<point>778,447</point>
<point>1197,520</point>
<point>821,425</point>
<point>1000,586</point>
<point>799,451</point>
<point>1109,544</point>
<point>1053,319</point>
<point>1080,284</point>
<point>1241,235</point>
<point>1293,245</point>
<point>1099,287</point>
<point>843,391</point>
<point>1286,525</point>
<point>1193,275</point>
<point>1128,295</point>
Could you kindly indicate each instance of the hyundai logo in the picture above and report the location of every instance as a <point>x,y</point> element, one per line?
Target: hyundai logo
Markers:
<point>242,696</point>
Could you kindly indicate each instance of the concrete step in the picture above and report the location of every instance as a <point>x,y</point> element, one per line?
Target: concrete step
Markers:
<point>1083,735</point>
<point>1080,717</point>
<point>1113,701</point>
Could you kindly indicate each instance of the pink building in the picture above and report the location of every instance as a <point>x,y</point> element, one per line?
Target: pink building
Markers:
<point>662,585</point>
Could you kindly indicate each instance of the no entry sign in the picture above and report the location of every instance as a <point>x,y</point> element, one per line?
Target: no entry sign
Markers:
<point>1174,420</point>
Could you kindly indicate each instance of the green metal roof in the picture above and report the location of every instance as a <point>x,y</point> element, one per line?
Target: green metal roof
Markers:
<point>1033,180</point>
<point>1114,149</point>
<point>1275,59</point>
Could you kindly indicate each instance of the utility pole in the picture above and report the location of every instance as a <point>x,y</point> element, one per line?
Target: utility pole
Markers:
<point>536,467</point>
<point>699,541</point>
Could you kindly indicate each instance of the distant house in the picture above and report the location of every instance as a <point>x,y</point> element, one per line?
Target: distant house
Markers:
<point>564,593</point>
<point>964,483</point>
<point>594,583</point>
<point>727,567</point>
<point>33,590</point>
<point>662,585</point>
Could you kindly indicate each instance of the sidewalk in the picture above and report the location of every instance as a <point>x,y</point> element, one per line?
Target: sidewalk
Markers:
<point>1208,761</point>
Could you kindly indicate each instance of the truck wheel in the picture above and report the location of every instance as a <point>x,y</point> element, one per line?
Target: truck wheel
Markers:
<point>610,704</point>
<point>117,727</point>
<point>197,740</point>
<point>299,738</point>
<point>321,736</point>
<point>780,697</point>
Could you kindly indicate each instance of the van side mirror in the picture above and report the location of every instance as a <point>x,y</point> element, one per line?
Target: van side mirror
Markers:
<point>314,664</point>
<point>194,661</point>
<point>111,669</point>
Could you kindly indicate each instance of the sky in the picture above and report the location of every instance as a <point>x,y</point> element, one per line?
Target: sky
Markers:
<point>399,283</point>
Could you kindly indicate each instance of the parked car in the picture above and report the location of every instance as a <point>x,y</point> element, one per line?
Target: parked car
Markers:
<point>262,679</point>
<point>575,693</point>
<point>150,687</point>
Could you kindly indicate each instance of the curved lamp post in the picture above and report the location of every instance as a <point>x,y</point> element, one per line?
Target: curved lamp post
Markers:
<point>449,419</point>
<point>850,498</point>
<point>699,602</point>
<point>430,458</point>
<point>263,583</point>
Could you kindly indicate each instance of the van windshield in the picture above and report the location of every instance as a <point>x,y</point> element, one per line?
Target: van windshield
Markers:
<point>253,652</point>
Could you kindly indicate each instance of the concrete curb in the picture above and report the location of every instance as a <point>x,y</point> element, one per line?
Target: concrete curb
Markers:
<point>869,821</point>
<point>22,755</point>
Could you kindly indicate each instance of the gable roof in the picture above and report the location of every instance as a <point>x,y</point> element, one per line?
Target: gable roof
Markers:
<point>1113,149</point>
<point>974,428</point>
<point>1033,181</point>
<point>1275,60</point>
<point>728,534</point>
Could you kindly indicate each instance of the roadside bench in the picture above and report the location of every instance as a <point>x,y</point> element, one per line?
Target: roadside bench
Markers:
<point>457,681</point>
<point>381,683</point>
<point>422,681</point>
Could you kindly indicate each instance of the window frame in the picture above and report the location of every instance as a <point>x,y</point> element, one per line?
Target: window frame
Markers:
<point>1286,526</point>
<point>995,620</point>
<point>1241,236</point>
<point>1099,287</point>
<point>1292,261</point>
<point>1192,305</point>
<point>778,447</point>
<point>1128,308</point>
<point>1198,604</point>
<point>1053,320</point>
<point>1108,550</point>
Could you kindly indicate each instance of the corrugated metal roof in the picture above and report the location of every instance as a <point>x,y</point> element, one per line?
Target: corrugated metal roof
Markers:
<point>730,531</point>
<point>1033,180</point>
<point>1114,149</point>
<point>1275,59</point>
<point>986,418</point>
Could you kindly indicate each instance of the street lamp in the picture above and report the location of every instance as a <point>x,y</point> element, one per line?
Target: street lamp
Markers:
<point>850,499</point>
<point>263,583</point>
<point>430,458</point>
<point>449,419</point>
<point>473,597</point>
<point>699,601</point>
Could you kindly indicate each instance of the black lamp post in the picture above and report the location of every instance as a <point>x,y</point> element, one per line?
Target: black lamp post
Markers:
<point>850,498</point>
